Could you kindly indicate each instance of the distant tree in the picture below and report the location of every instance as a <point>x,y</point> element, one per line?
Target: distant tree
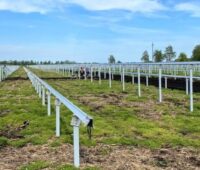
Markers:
<point>196,53</point>
<point>182,57</point>
<point>158,56</point>
<point>119,62</point>
<point>14,62</point>
<point>31,62</point>
<point>145,56</point>
<point>169,54</point>
<point>111,59</point>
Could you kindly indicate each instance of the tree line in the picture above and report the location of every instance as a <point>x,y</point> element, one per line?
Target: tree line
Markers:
<point>170,55</point>
<point>31,62</point>
<point>158,56</point>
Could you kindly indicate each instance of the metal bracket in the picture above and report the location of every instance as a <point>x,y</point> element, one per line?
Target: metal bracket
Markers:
<point>75,121</point>
<point>57,102</point>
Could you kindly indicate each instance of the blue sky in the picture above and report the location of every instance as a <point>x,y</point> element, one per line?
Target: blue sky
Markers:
<point>91,30</point>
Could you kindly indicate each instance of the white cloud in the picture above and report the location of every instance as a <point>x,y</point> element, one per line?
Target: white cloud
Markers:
<point>192,8</point>
<point>136,30</point>
<point>22,6</point>
<point>45,6</point>
<point>129,5</point>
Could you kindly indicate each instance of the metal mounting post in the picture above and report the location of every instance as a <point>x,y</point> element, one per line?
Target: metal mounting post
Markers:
<point>110,81</point>
<point>85,75</point>
<point>120,71</point>
<point>187,86</point>
<point>133,79</point>
<point>79,73</point>
<point>43,96</point>
<point>147,81</point>
<point>191,90</point>
<point>57,103</point>
<point>99,71</point>
<point>48,103</point>
<point>104,73</point>
<point>123,83</point>
<point>139,87</point>
<point>160,85</point>
<point>113,74</point>
<point>166,82</point>
<point>91,74</point>
<point>69,72</point>
<point>75,122</point>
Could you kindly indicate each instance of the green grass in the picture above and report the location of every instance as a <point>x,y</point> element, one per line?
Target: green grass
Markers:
<point>48,74</point>
<point>3,142</point>
<point>120,118</point>
<point>70,167</point>
<point>38,165</point>
<point>128,125</point>
<point>20,103</point>
<point>19,73</point>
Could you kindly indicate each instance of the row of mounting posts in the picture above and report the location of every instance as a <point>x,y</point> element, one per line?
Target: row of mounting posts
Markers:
<point>189,87</point>
<point>75,122</point>
<point>140,70</point>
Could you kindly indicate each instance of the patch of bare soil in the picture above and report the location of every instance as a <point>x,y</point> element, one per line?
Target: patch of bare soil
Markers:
<point>97,102</point>
<point>107,157</point>
<point>143,109</point>
<point>124,157</point>
<point>16,78</point>
<point>4,112</point>
<point>147,109</point>
<point>12,158</point>
<point>176,106</point>
<point>13,84</point>
<point>13,132</point>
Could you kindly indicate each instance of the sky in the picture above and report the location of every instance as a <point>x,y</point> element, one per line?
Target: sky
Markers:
<point>91,30</point>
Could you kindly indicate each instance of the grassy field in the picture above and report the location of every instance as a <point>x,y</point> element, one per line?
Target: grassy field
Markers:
<point>123,118</point>
<point>123,124</point>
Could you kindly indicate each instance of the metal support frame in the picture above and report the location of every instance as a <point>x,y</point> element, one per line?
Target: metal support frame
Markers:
<point>110,80</point>
<point>133,79</point>
<point>160,85</point>
<point>174,70</point>
<point>57,104</point>
<point>191,90</point>
<point>104,73</point>
<point>165,82</point>
<point>123,79</point>
<point>187,86</point>
<point>139,85</point>
<point>91,74</point>
<point>48,103</point>
<point>43,96</point>
<point>79,115</point>
<point>75,122</point>
<point>85,75</point>
<point>79,73</point>
<point>99,75</point>
<point>147,80</point>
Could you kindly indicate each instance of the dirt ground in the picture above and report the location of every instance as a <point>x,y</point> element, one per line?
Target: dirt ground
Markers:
<point>107,157</point>
<point>143,109</point>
